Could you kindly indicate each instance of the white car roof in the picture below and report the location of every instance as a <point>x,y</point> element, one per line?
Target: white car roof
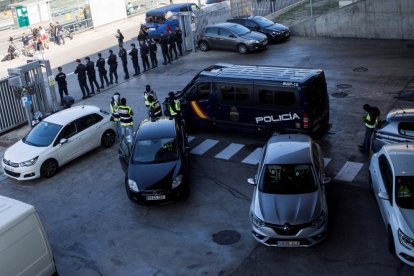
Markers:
<point>402,157</point>
<point>66,116</point>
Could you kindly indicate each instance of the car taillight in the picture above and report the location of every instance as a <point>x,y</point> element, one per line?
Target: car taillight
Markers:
<point>305,120</point>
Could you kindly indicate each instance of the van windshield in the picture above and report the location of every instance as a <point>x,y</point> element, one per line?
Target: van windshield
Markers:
<point>158,19</point>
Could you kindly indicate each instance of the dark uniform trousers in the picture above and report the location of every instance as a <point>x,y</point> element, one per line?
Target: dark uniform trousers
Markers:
<point>102,77</point>
<point>112,74</point>
<point>166,54</point>
<point>92,81</point>
<point>84,87</point>
<point>63,88</point>
<point>125,67</point>
<point>153,57</point>
<point>136,66</point>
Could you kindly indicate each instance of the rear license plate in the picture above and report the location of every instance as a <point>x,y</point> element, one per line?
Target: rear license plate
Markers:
<point>288,243</point>
<point>155,197</point>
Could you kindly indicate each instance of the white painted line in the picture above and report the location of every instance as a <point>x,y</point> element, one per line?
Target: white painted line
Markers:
<point>228,152</point>
<point>326,161</point>
<point>204,147</point>
<point>254,157</point>
<point>349,171</point>
<point>190,138</point>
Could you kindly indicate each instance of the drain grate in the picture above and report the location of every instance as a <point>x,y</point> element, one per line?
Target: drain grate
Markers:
<point>339,95</point>
<point>360,69</point>
<point>344,86</point>
<point>226,237</point>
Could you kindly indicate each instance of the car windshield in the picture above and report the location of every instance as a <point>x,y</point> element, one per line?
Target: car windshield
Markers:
<point>263,21</point>
<point>239,30</point>
<point>155,151</point>
<point>288,179</point>
<point>42,135</point>
<point>404,191</point>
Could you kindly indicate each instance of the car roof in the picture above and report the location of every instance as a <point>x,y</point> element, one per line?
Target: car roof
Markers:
<point>402,158</point>
<point>247,17</point>
<point>401,114</point>
<point>66,116</point>
<point>222,24</point>
<point>288,149</point>
<point>156,128</point>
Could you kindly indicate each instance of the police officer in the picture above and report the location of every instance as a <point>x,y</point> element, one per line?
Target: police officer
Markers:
<point>62,84</point>
<point>164,48</point>
<point>153,52</point>
<point>90,70</point>
<point>113,65</point>
<point>125,119</point>
<point>174,106</point>
<point>144,51</point>
<point>148,91</point>
<point>100,63</point>
<point>81,72</point>
<point>179,39</point>
<point>371,120</point>
<point>171,45</point>
<point>154,107</point>
<point>123,55</point>
<point>120,37</point>
<point>113,106</point>
<point>134,58</point>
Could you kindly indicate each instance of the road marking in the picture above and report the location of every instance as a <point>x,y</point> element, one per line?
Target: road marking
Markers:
<point>348,171</point>
<point>228,152</point>
<point>254,157</point>
<point>326,161</point>
<point>204,147</point>
<point>190,138</point>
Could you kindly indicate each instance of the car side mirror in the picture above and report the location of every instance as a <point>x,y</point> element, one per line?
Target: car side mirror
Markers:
<point>383,195</point>
<point>63,141</point>
<point>326,180</point>
<point>251,181</point>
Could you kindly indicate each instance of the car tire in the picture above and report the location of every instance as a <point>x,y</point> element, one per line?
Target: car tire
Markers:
<point>49,168</point>
<point>203,45</point>
<point>242,48</point>
<point>391,245</point>
<point>108,139</point>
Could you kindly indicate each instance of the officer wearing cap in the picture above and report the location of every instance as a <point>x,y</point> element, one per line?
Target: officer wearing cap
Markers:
<point>90,71</point>
<point>81,72</point>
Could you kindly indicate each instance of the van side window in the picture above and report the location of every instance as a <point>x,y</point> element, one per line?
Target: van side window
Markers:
<point>268,96</point>
<point>265,97</point>
<point>203,91</point>
<point>284,98</point>
<point>235,94</point>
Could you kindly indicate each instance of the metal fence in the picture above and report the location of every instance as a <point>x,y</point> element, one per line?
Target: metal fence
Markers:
<point>266,7</point>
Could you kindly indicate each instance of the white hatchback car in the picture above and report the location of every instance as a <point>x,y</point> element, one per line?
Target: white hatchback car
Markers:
<point>392,182</point>
<point>58,139</point>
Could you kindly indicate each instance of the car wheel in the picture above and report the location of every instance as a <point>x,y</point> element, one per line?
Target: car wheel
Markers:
<point>391,245</point>
<point>203,46</point>
<point>108,139</point>
<point>242,48</point>
<point>49,168</point>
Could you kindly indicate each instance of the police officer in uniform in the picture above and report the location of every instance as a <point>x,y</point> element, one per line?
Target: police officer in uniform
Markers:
<point>90,70</point>
<point>371,120</point>
<point>148,91</point>
<point>153,52</point>
<point>174,106</point>
<point>179,39</point>
<point>62,84</point>
<point>171,45</point>
<point>113,65</point>
<point>164,48</point>
<point>123,55</point>
<point>100,63</point>
<point>154,107</point>
<point>144,51</point>
<point>125,119</point>
<point>81,72</point>
<point>134,58</point>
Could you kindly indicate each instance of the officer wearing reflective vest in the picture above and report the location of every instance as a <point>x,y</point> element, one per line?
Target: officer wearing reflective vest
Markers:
<point>125,119</point>
<point>371,120</point>
<point>174,105</point>
<point>113,106</point>
<point>154,107</point>
<point>148,91</point>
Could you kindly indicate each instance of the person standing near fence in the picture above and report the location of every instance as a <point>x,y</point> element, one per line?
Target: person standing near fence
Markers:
<point>113,65</point>
<point>171,44</point>
<point>152,45</point>
<point>124,58</point>
<point>60,33</point>
<point>62,84</point>
<point>90,70</point>
<point>134,58</point>
<point>164,48</point>
<point>144,51</point>
<point>100,63</point>
<point>179,39</point>
<point>52,31</point>
<point>81,72</point>
<point>120,38</point>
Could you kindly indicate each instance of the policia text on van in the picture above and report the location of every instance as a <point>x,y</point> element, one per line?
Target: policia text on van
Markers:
<point>258,97</point>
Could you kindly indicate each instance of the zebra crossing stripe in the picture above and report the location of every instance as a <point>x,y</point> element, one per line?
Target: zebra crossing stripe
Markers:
<point>254,157</point>
<point>348,171</point>
<point>204,147</point>
<point>326,161</point>
<point>229,151</point>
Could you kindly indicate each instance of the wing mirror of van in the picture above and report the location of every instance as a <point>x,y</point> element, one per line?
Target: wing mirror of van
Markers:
<point>251,181</point>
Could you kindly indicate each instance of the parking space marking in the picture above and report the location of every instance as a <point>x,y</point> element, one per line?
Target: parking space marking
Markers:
<point>229,151</point>
<point>254,157</point>
<point>190,138</point>
<point>204,147</point>
<point>348,171</point>
<point>326,161</point>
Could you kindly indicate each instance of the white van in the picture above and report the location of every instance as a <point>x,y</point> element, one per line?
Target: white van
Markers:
<point>24,247</point>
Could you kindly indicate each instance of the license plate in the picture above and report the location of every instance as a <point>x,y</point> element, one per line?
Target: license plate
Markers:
<point>155,197</point>
<point>288,243</point>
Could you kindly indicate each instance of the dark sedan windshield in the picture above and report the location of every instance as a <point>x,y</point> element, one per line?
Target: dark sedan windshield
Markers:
<point>239,30</point>
<point>263,21</point>
<point>288,179</point>
<point>405,192</point>
<point>155,151</point>
<point>42,135</point>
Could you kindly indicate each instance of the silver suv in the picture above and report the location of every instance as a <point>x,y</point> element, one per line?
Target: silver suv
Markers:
<point>289,206</point>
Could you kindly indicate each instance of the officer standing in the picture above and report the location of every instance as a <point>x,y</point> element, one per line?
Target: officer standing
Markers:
<point>62,84</point>
<point>148,91</point>
<point>174,106</point>
<point>113,106</point>
<point>179,39</point>
<point>371,120</point>
<point>134,58</point>
<point>144,51</point>
<point>153,52</point>
<point>126,121</point>
<point>123,55</point>
<point>120,38</point>
<point>81,72</point>
<point>171,45</point>
<point>113,65</point>
<point>90,70</point>
<point>100,63</point>
<point>154,107</point>
<point>164,48</point>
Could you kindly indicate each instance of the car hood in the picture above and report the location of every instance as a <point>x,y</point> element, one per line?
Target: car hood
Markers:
<point>406,221</point>
<point>254,36</point>
<point>21,152</point>
<point>292,209</point>
<point>276,27</point>
<point>154,176</point>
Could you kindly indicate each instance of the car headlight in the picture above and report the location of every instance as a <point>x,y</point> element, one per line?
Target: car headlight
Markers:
<point>274,33</point>
<point>257,222</point>
<point>405,240</point>
<point>319,221</point>
<point>133,185</point>
<point>29,163</point>
<point>177,181</point>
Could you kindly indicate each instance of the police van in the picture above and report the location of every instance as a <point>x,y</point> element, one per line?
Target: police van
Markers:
<point>262,98</point>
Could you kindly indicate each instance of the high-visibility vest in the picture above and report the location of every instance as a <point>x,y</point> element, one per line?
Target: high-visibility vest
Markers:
<point>177,105</point>
<point>114,110</point>
<point>368,118</point>
<point>125,115</point>
<point>146,94</point>
<point>155,109</point>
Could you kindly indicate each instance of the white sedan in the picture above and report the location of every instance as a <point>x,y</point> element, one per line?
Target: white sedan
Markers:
<point>58,139</point>
<point>392,182</point>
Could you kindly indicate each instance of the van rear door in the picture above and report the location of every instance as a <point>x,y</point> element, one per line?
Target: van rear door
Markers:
<point>316,105</point>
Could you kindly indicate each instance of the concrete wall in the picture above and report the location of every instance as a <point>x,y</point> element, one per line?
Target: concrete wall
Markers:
<point>383,19</point>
